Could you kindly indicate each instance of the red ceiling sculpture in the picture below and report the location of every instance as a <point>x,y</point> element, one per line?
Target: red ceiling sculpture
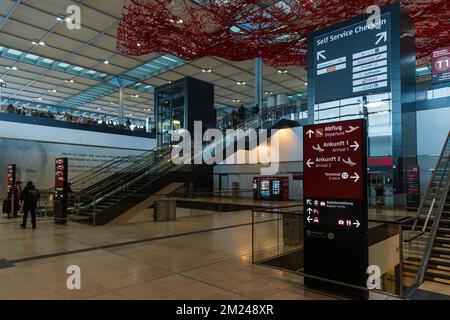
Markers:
<point>245,29</point>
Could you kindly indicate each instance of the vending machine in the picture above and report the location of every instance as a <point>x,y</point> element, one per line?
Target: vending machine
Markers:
<point>275,188</point>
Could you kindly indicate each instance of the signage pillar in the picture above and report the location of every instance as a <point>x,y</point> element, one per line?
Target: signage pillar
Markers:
<point>413,186</point>
<point>11,183</point>
<point>335,207</point>
<point>60,196</point>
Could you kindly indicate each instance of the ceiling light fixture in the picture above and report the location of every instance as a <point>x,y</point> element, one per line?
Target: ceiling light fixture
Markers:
<point>268,92</point>
<point>206,70</point>
<point>282,71</point>
<point>11,68</point>
<point>51,90</point>
<point>71,81</point>
<point>306,83</point>
<point>236,100</point>
<point>40,98</point>
<point>106,62</point>
<point>241,83</point>
<point>135,96</point>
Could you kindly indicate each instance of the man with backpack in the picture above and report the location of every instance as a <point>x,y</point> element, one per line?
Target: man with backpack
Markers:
<point>30,197</point>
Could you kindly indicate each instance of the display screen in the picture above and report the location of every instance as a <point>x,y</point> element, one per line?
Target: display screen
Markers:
<point>265,188</point>
<point>276,187</point>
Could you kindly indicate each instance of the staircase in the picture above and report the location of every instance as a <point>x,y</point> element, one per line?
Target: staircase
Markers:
<point>116,186</point>
<point>427,247</point>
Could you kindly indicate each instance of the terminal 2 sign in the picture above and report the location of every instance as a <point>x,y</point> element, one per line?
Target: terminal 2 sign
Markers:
<point>335,204</point>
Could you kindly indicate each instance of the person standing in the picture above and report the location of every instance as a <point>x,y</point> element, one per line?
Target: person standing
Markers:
<point>17,198</point>
<point>241,114</point>
<point>30,198</point>
<point>379,194</point>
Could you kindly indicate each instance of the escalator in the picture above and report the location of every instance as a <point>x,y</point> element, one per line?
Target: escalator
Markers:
<point>428,246</point>
<point>105,192</point>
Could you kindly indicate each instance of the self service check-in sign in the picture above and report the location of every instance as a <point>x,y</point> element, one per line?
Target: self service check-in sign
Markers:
<point>352,61</point>
<point>334,175</point>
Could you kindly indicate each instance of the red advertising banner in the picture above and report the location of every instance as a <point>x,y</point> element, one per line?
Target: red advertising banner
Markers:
<point>334,160</point>
<point>413,186</point>
<point>11,177</point>
<point>59,174</point>
<point>440,65</point>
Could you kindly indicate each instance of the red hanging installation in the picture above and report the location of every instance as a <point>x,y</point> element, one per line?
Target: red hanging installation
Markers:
<point>245,29</point>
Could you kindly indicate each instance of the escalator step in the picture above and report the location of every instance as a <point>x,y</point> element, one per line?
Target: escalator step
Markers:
<point>438,276</point>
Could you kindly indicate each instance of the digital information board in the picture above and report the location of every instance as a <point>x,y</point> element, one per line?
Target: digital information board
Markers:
<point>335,205</point>
<point>440,65</point>
<point>352,61</point>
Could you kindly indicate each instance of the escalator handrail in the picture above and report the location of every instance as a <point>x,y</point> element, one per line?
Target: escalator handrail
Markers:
<point>430,183</point>
<point>433,231</point>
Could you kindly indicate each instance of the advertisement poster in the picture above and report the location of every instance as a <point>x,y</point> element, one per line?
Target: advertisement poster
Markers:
<point>440,65</point>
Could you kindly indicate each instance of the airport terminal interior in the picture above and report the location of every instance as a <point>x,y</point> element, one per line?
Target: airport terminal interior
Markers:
<point>224,150</point>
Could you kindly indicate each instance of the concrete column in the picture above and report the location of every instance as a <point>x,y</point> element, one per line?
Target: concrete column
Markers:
<point>259,83</point>
<point>120,106</point>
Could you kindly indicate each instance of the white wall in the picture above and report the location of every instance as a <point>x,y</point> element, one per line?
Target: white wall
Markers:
<point>290,160</point>
<point>25,131</point>
<point>33,148</point>
<point>432,129</point>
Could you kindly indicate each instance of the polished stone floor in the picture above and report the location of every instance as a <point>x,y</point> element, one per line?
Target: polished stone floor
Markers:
<point>214,262</point>
<point>196,257</point>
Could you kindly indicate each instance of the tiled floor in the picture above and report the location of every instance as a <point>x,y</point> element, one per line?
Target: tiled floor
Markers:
<point>194,262</point>
<point>207,265</point>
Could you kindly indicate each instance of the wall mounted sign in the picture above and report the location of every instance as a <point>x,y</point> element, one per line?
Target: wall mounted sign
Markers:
<point>440,65</point>
<point>352,61</point>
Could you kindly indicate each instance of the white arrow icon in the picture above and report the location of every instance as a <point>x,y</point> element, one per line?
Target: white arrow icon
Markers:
<point>309,219</point>
<point>357,224</point>
<point>351,129</point>
<point>310,133</point>
<point>356,177</point>
<point>355,146</point>
<point>308,201</point>
<point>381,36</point>
<point>320,55</point>
<point>318,148</point>
<point>349,162</point>
<point>309,210</point>
<point>309,163</point>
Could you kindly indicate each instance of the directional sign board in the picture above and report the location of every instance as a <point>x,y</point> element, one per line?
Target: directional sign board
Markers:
<point>353,60</point>
<point>334,175</point>
<point>335,204</point>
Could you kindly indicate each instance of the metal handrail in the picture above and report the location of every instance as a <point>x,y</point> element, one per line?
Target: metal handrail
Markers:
<point>430,241</point>
<point>132,173</point>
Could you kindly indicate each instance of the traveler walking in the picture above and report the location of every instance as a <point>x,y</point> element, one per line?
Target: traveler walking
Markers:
<point>380,194</point>
<point>30,198</point>
<point>17,198</point>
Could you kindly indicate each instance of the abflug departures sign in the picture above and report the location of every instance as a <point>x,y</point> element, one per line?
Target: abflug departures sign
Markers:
<point>334,175</point>
<point>352,61</point>
<point>335,205</point>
